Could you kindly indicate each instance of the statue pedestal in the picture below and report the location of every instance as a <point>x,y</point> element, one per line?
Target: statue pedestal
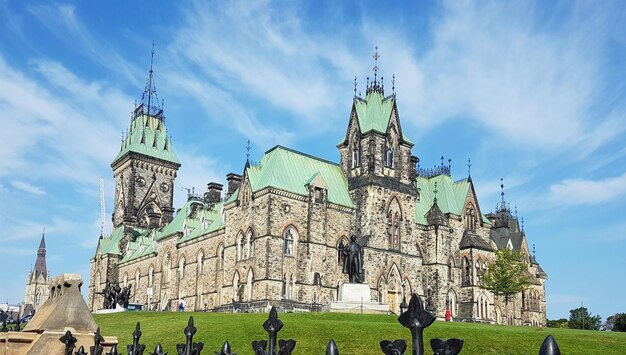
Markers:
<point>117,309</point>
<point>355,298</point>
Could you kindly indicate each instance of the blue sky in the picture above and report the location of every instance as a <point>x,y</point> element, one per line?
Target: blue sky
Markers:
<point>533,92</point>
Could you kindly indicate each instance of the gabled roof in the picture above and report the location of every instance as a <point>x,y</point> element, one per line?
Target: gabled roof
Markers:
<point>148,136</point>
<point>472,240</point>
<point>374,112</point>
<point>290,170</point>
<point>451,196</point>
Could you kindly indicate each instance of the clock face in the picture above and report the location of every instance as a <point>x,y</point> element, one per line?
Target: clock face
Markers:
<point>165,187</point>
<point>141,181</point>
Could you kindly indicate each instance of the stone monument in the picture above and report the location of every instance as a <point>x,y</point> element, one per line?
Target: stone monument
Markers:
<point>355,296</point>
<point>64,310</point>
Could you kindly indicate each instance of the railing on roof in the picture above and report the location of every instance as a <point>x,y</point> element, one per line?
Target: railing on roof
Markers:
<point>149,110</point>
<point>434,171</point>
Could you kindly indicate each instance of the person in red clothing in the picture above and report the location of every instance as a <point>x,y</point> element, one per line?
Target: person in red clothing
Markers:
<point>448,315</point>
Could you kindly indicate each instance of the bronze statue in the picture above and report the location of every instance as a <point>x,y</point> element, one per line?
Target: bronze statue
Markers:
<point>353,261</point>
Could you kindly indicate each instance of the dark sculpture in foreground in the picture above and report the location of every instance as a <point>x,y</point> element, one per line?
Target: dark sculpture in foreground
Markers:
<point>353,261</point>
<point>113,295</point>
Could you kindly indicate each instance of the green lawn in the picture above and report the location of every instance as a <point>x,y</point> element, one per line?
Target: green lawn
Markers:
<point>353,333</point>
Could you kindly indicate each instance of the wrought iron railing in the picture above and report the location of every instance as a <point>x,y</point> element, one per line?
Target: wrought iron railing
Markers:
<point>416,318</point>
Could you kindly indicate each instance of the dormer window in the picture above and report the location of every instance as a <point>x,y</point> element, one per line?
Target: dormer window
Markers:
<point>318,193</point>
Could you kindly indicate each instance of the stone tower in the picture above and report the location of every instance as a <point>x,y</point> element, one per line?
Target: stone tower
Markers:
<point>145,167</point>
<point>377,161</point>
<point>37,290</point>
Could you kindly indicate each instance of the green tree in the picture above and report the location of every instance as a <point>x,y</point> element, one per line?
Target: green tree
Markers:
<point>559,323</point>
<point>507,275</point>
<point>580,318</point>
<point>617,322</point>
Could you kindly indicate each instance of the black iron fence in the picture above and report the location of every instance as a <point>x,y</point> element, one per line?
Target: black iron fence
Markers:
<point>416,318</point>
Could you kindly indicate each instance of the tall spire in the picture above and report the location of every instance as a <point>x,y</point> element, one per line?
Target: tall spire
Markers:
<point>40,263</point>
<point>150,104</point>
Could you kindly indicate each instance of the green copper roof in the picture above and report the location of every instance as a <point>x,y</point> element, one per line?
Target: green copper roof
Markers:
<point>142,246</point>
<point>232,197</point>
<point>374,112</point>
<point>148,136</point>
<point>204,222</point>
<point>290,170</point>
<point>451,196</point>
<point>110,244</point>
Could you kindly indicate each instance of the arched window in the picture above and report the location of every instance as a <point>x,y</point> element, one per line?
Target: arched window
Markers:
<point>356,151</point>
<point>38,296</point>
<point>181,267</point>
<point>249,284</point>
<point>236,294</point>
<point>200,262</point>
<point>167,265</point>
<point>137,275</point>
<point>470,217</point>
<point>290,241</point>
<point>220,257</point>
<point>394,218</point>
<point>450,269</point>
<point>478,272</point>
<point>343,242</point>
<point>250,245</point>
<point>240,245</point>
<point>151,276</point>
<point>467,272</point>
<point>389,152</point>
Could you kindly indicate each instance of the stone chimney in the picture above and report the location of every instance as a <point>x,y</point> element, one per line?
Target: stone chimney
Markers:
<point>213,193</point>
<point>234,182</point>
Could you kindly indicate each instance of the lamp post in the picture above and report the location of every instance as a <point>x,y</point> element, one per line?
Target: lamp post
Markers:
<point>403,305</point>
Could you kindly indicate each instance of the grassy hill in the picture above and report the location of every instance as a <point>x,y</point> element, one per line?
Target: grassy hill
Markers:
<point>353,333</point>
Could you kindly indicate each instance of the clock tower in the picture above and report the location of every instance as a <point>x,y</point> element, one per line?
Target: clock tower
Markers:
<point>145,167</point>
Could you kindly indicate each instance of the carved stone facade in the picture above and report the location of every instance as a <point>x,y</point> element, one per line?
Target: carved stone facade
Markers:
<point>276,234</point>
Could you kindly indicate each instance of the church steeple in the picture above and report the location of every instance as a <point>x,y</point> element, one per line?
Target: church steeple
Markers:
<point>40,264</point>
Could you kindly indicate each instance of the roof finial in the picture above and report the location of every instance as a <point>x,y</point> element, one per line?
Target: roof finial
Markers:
<point>534,254</point>
<point>393,84</point>
<point>248,150</point>
<point>435,192</point>
<point>449,164</point>
<point>502,190</point>
<point>469,166</point>
<point>442,161</point>
<point>516,211</point>
<point>355,83</point>
<point>522,224</point>
<point>375,56</point>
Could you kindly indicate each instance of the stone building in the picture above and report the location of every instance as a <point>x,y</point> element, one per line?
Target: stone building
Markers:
<point>274,235</point>
<point>37,285</point>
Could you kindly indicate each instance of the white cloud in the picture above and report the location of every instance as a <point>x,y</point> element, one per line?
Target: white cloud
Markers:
<point>59,127</point>
<point>535,86</point>
<point>24,186</point>
<point>574,192</point>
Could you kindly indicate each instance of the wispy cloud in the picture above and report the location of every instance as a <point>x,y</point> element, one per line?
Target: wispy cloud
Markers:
<point>534,84</point>
<point>63,22</point>
<point>25,186</point>
<point>59,116</point>
<point>574,192</point>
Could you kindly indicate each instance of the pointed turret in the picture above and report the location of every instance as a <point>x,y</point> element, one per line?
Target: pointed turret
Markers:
<point>40,264</point>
